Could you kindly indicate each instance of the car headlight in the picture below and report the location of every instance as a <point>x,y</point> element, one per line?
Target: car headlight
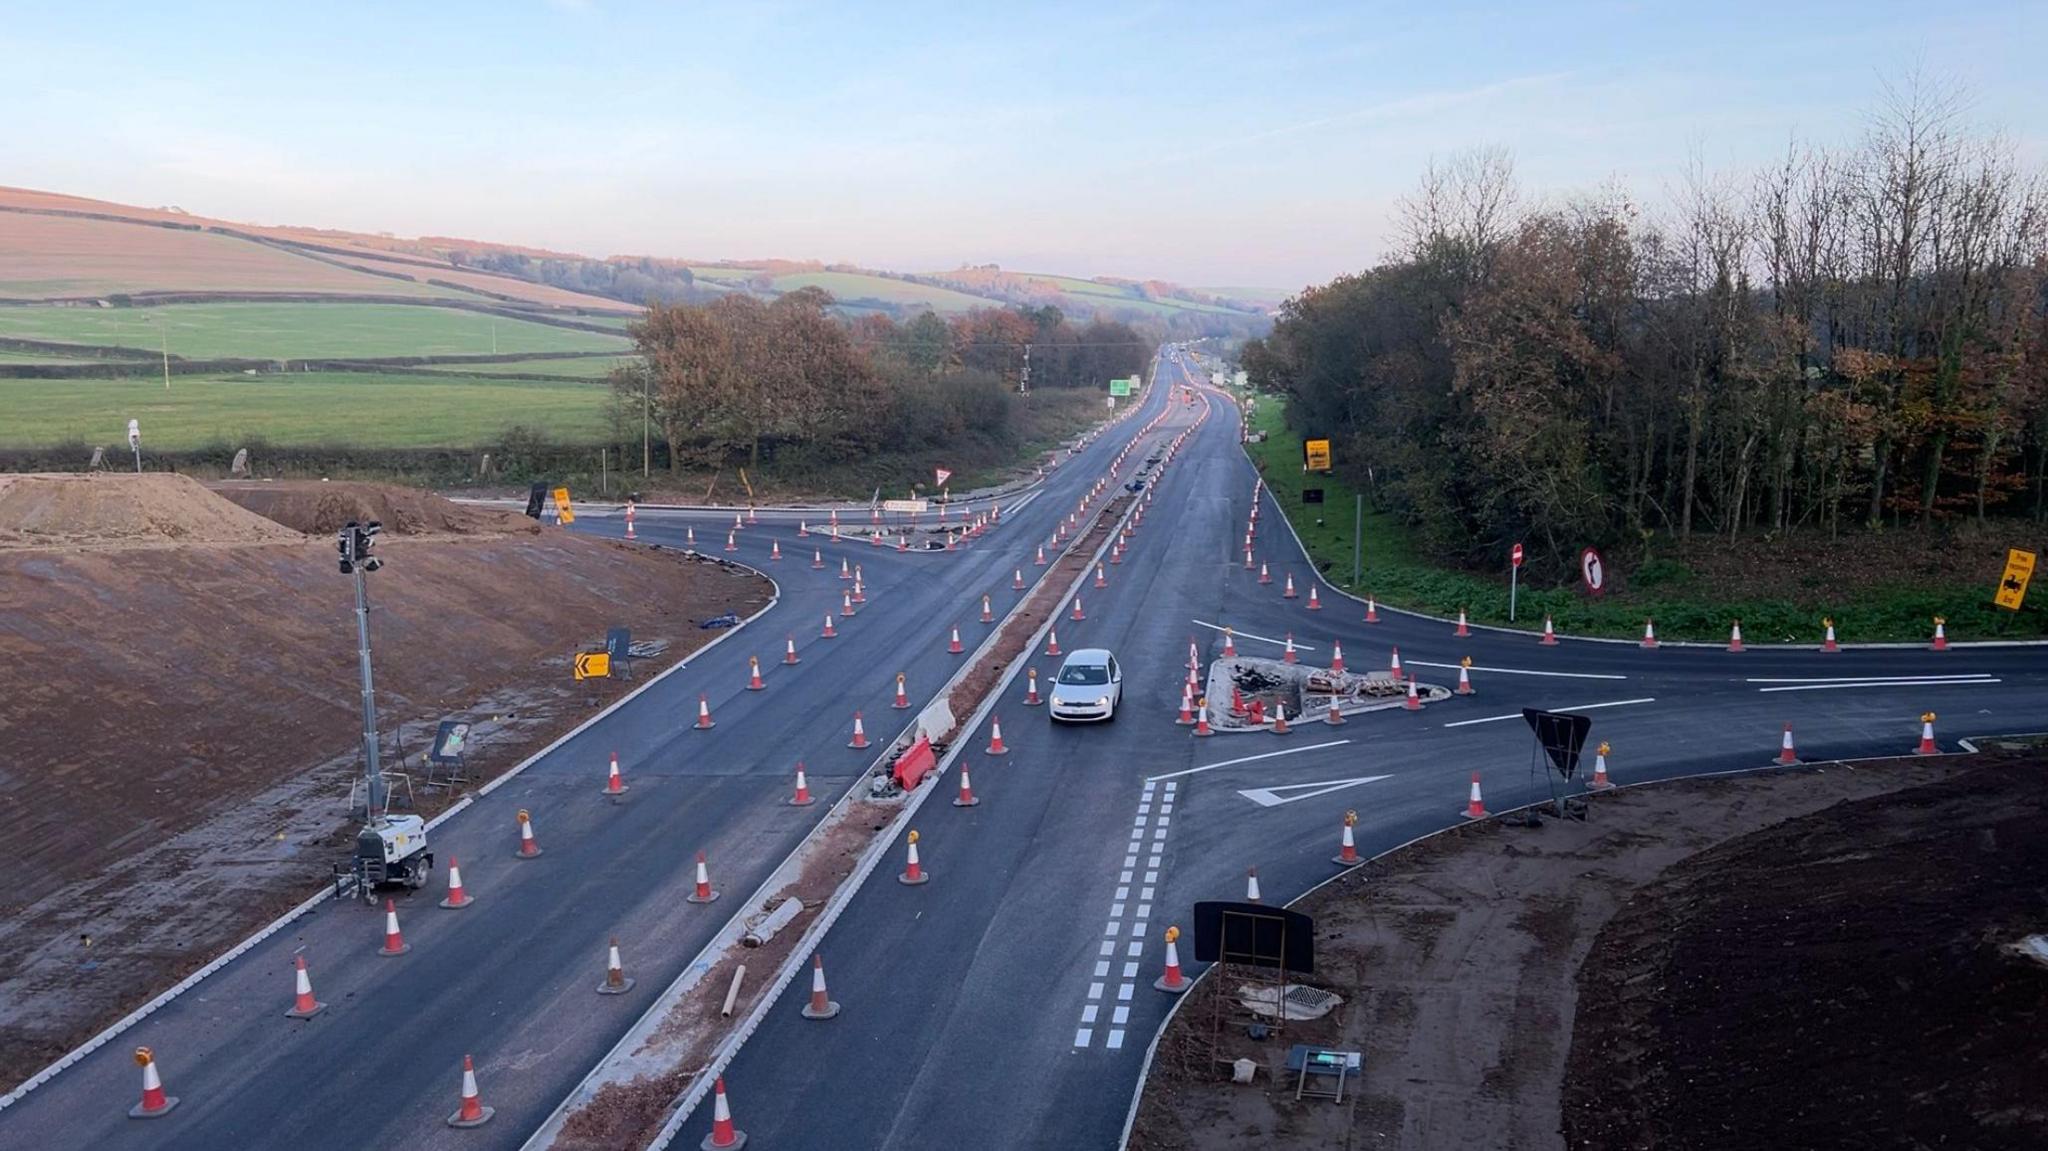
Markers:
<point>1102,701</point>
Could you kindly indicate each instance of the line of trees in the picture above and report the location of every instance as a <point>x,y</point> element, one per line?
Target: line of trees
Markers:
<point>741,380</point>
<point>1854,337</point>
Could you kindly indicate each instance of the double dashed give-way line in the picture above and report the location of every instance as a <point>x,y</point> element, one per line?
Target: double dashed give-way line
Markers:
<point>1148,840</point>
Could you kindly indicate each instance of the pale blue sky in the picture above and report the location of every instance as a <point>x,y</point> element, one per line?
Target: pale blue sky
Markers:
<point>1212,144</point>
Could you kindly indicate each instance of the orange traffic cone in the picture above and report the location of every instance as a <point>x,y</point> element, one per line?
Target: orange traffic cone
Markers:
<point>472,1113</point>
<point>1251,885</point>
<point>1347,851</point>
<point>1172,982</point>
<point>1394,663</point>
<point>613,785</point>
<point>845,569</point>
<point>902,696</point>
<point>1031,692</point>
<point>732,541</point>
<point>1786,754</point>
<point>304,1006</point>
<point>1017,580</point>
<point>615,980</point>
<point>1078,616</point>
<point>1474,808</point>
<point>1100,579</point>
<point>1314,604</point>
<point>154,1101</point>
<point>803,529</point>
<point>1600,780</point>
<point>1287,654</point>
<point>1940,634</point>
<point>1280,719</point>
<point>629,521</point>
<point>1735,636</point>
<point>860,736</point>
<point>953,645</point>
<point>966,797</point>
<point>1335,716</point>
<point>1462,630</point>
<point>1202,719</point>
<point>1288,592</point>
<point>1336,657</point>
<point>1549,634</point>
<point>458,897</point>
<point>1187,705</point>
<point>529,847</point>
<point>803,797</point>
<point>723,1134</point>
<point>1040,561</point>
<point>860,590</point>
<point>775,549</point>
<point>913,871</point>
<point>821,1005</point>
<point>1372,610</point>
<point>817,559</point>
<point>690,538</point>
<point>703,892</point>
<point>995,737</point>
<point>1829,644</point>
<point>1927,745</point>
<point>1649,633</point>
<point>1264,575</point>
<point>1052,641</point>
<point>789,651</point>
<point>703,712</point>
<point>828,633</point>
<point>394,940</point>
<point>1229,644</point>
<point>1414,700</point>
<point>1465,676</point>
<point>988,615</point>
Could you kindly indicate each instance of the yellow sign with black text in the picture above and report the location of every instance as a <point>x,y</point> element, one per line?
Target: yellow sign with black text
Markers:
<point>2012,586</point>
<point>1315,455</point>
<point>562,505</point>
<point>593,665</point>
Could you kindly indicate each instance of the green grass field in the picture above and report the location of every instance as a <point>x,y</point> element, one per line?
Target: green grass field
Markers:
<point>297,409</point>
<point>854,286</point>
<point>586,367</point>
<point>299,331</point>
<point>1394,573</point>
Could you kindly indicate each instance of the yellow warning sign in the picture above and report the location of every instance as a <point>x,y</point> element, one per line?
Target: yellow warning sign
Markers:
<point>1315,455</point>
<point>2012,586</point>
<point>593,665</point>
<point>562,505</point>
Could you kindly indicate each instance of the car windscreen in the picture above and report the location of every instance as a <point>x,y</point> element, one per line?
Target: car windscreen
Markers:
<point>1084,675</point>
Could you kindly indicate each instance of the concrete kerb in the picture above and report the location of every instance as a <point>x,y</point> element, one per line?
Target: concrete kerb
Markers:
<point>1528,633</point>
<point>1152,1048</point>
<point>114,1030</point>
<point>870,859</point>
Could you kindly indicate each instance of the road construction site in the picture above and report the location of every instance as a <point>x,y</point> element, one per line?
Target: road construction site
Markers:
<point>995,976</point>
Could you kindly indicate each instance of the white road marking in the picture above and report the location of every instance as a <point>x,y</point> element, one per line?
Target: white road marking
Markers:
<point>1891,683</point>
<point>1866,678</point>
<point>1089,1013</point>
<point>1084,1036</point>
<point>1101,968</point>
<point>1517,670</point>
<point>1130,971</point>
<point>1115,1042</point>
<point>1120,1015</point>
<point>1298,645</point>
<point>1251,759</point>
<point>1574,707</point>
<point>1271,797</point>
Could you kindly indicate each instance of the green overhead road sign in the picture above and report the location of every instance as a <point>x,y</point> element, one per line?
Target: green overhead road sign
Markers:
<point>1120,387</point>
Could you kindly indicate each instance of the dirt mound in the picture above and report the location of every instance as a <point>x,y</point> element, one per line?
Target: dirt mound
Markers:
<point>321,508</point>
<point>112,510</point>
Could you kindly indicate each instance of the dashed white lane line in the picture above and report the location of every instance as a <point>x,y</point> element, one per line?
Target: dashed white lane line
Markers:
<point>1519,670</point>
<point>1574,707</point>
<point>1247,759</point>
<point>1152,847</point>
<point>1886,683</point>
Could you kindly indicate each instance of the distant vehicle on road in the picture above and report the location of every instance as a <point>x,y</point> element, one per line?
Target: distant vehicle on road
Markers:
<point>1088,688</point>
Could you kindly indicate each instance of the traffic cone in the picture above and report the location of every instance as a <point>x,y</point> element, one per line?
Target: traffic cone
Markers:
<point>1289,592</point>
<point>154,1101</point>
<point>1927,745</point>
<point>1247,559</point>
<point>1334,716</point>
<point>690,538</point>
<point>529,847</point>
<point>1052,641</point>
<point>1394,662</point>
<point>629,521</point>
<point>828,633</point>
<point>1829,644</point>
<point>1172,982</point>
<point>1786,754</point>
<point>1600,780</point>
<point>613,785</point>
<point>458,898</point>
<point>1202,719</point>
<point>1474,808</point>
<point>394,940</point>
<point>752,520</point>
<point>1251,885</point>
<point>1078,616</point>
<point>860,587</point>
<point>803,797</point>
<point>1940,634</point>
<point>846,605</point>
<point>1229,645</point>
<point>472,1113</point>
<point>1414,701</point>
<point>995,737</point>
<point>703,892</point>
<point>1280,719</point>
<point>1462,631</point>
<point>732,542</point>
<point>704,722</point>
<point>724,1135</point>
<point>845,569</point>
<point>803,529</point>
<point>988,615</point>
<point>1031,692</point>
<point>775,550</point>
<point>1187,706</point>
<point>1372,610</point>
<point>821,1005</point>
<point>304,1006</point>
<point>789,651</point>
<point>1236,701</point>
<point>1040,561</point>
<point>615,980</point>
<point>1336,657</point>
<point>1264,575</point>
<point>1100,579</point>
<point>953,645</point>
<point>902,696</point>
<point>913,871</point>
<point>1735,636</point>
<point>1287,654</point>
<point>1465,676</point>
<point>1549,634</point>
<point>1017,580</point>
<point>966,797</point>
<point>817,559</point>
<point>1347,852</point>
<point>860,735</point>
<point>1649,633</point>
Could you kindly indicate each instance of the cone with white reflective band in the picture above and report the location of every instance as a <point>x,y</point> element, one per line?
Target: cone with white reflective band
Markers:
<point>1735,636</point>
<point>457,897</point>
<point>1787,755</point>
<point>1017,580</point>
<point>1649,633</point>
<point>1465,676</point>
<point>1462,630</point>
<point>1251,885</point>
<point>732,542</point>
<point>1474,807</point>
<point>913,871</point>
<point>789,651</point>
<point>154,1101</point>
<point>472,1112</point>
<point>1031,692</point>
<point>1336,657</point>
<point>966,798</point>
<point>1600,780</point>
<point>1077,615</point>
<point>529,847</point>
<point>1347,850</point>
<point>1229,644</point>
<point>1287,654</point>
<point>703,712</point>
<point>1394,663</point>
<point>702,892</point>
<point>1202,719</point>
<point>828,633</point>
<point>629,520</point>
<point>995,737</point>
<point>1335,715</point>
<point>1828,643</point>
<point>615,979</point>
<point>1288,592</point>
<point>1052,641</point>
<point>803,796</point>
<point>902,700</point>
<point>953,645</point>
<point>613,784</point>
<point>394,940</point>
<point>1414,700</point>
<point>988,614</point>
<point>1940,634</point>
<point>775,550</point>
<point>1314,604</point>
<point>1372,610</point>
<point>304,1006</point>
<point>1549,633</point>
<point>821,1005</point>
<point>1265,576</point>
<point>1172,981</point>
<point>860,735</point>
<point>1927,744</point>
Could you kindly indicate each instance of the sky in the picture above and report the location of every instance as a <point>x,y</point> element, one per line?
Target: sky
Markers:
<point>1230,144</point>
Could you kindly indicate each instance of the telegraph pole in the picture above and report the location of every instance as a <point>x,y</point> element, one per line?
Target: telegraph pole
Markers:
<point>354,542</point>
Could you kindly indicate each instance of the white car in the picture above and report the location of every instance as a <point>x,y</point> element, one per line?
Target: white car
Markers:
<point>1088,687</point>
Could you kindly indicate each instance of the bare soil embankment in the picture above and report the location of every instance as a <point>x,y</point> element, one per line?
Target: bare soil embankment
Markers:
<point>180,716</point>
<point>1801,959</point>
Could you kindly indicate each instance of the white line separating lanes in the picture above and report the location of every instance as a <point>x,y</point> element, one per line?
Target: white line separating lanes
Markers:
<point>1574,707</point>
<point>1150,780</point>
<point>1148,839</point>
<point>1879,679</point>
<point>1885,683</point>
<point>1298,645</point>
<point>1520,671</point>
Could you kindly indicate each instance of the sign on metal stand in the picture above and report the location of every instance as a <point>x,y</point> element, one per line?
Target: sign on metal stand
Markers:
<point>2012,586</point>
<point>1560,738</point>
<point>1514,579</point>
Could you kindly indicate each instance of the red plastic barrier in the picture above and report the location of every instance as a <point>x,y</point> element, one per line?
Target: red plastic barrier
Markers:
<point>912,765</point>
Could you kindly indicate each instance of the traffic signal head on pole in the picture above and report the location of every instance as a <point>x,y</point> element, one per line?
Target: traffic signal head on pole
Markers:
<point>354,542</point>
